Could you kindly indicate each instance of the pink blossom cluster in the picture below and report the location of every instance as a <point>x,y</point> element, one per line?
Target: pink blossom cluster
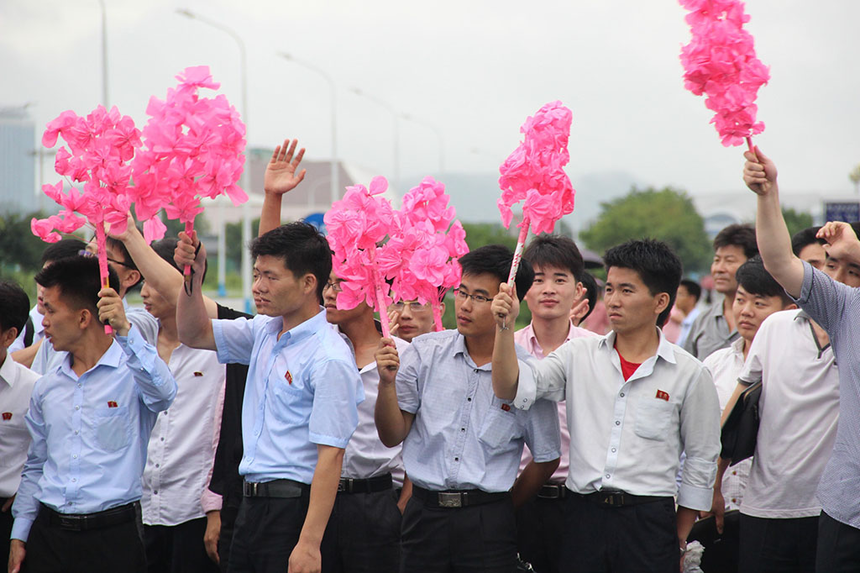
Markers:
<point>356,225</point>
<point>99,148</point>
<point>720,62</point>
<point>193,147</point>
<point>534,171</point>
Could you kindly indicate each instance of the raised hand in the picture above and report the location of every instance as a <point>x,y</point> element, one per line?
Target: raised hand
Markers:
<point>281,176</point>
<point>112,311</point>
<point>759,172</point>
<point>505,307</point>
<point>841,240</point>
<point>190,251</point>
<point>387,361</point>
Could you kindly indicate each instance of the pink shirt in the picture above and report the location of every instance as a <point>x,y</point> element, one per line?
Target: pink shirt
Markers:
<point>527,339</point>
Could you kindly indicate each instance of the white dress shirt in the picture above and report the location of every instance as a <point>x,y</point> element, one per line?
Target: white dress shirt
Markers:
<point>366,456</point>
<point>629,435</point>
<point>16,386</point>
<point>184,439</point>
<point>726,365</point>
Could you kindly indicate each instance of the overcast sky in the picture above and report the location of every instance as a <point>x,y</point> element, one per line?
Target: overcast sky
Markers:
<point>473,69</point>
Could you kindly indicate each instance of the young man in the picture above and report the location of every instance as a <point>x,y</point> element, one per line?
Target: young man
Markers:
<point>412,318</point>
<point>832,300</point>
<point>300,404</point>
<point>90,418</point>
<point>121,263</point>
<point>16,385</point>
<point>462,445</point>
<point>758,296</point>
<point>715,328</point>
<point>182,445</point>
<point>557,264</point>
<point>634,403</point>
<point>24,349</point>
<point>363,533</point>
<point>687,301</point>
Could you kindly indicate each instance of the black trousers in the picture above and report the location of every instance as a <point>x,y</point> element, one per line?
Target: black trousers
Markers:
<point>267,530</point>
<point>838,546</point>
<point>229,513</point>
<point>540,527</point>
<point>177,548</point>
<point>363,534</point>
<point>52,549</point>
<point>721,549</point>
<point>628,539</point>
<point>5,531</point>
<point>477,539</point>
<point>777,545</point>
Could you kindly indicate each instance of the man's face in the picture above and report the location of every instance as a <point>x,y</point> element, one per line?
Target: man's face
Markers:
<point>415,319</point>
<point>62,324</point>
<point>684,300</point>
<point>629,304</point>
<point>750,310</point>
<point>552,293</point>
<point>155,304</point>
<point>127,276</point>
<point>843,271</point>
<point>814,254</point>
<point>726,262</point>
<point>332,314</point>
<point>276,290</point>
<point>475,318</point>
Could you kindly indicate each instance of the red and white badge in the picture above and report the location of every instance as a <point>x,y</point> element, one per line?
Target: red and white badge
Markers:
<point>112,404</point>
<point>7,416</point>
<point>289,377</point>
<point>661,395</point>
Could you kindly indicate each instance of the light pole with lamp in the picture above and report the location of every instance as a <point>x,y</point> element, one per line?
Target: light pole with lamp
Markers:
<point>246,210</point>
<point>104,56</point>
<point>334,175</point>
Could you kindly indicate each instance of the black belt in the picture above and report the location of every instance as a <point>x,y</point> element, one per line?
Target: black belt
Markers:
<point>619,498</point>
<point>553,491</point>
<point>457,498</point>
<point>89,521</point>
<point>370,485</point>
<point>280,488</point>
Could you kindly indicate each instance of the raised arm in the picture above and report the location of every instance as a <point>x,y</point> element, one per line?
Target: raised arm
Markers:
<point>280,178</point>
<point>158,273</point>
<point>774,241</point>
<point>392,423</point>
<point>506,369</point>
<point>192,320</point>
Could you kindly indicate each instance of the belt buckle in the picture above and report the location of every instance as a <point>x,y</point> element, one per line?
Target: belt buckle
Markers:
<point>614,498</point>
<point>69,522</point>
<point>450,499</point>
<point>342,486</point>
<point>251,488</point>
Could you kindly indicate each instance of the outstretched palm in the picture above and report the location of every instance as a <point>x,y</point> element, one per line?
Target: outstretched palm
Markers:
<point>281,175</point>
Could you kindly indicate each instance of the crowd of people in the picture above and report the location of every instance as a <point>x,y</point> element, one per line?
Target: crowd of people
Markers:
<point>190,437</point>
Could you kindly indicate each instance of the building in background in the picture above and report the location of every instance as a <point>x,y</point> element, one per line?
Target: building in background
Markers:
<point>18,162</point>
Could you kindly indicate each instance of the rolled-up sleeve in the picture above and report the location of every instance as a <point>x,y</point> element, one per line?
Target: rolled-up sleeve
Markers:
<point>234,339</point>
<point>700,437</point>
<point>151,375</point>
<point>543,379</point>
<point>542,432</point>
<point>337,393</point>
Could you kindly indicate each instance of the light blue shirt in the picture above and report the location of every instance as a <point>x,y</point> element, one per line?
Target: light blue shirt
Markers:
<point>90,432</point>
<point>463,436</point>
<point>302,390</point>
<point>836,307</point>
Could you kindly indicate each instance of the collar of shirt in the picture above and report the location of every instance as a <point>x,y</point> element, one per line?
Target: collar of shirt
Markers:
<point>528,338</point>
<point>298,332</point>
<point>737,347</point>
<point>665,350</point>
<point>110,358</point>
<point>8,372</point>
<point>460,348</point>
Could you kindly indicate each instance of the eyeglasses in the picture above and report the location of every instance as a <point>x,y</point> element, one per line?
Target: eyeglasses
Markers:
<point>335,287</point>
<point>478,298</point>
<point>90,254</point>
<point>414,306</point>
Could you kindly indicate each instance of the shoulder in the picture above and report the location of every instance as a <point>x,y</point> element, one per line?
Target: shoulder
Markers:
<point>433,340</point>
<point>688,365</point>
<point>714,358</point>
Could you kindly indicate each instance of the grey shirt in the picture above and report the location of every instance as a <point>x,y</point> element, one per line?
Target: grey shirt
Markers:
<point>709,332</point>
<point>836,307</point>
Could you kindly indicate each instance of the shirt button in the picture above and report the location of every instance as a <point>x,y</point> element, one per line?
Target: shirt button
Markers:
<point>617,422</point>
<point>162,439</point>
<point>622,394</point>
<point>79,384</point>
<point>74,479</point>
<point>77,407</point>
<point>607,476</point>
<point>158,465</point>
<point>734,500</point>
<point>476,370</point>
<point>76,432</point>
<point>734,473</point>
<point>614,450</point>
<point>75,456</point>
<point>468,399</point>
<point>462,429</point>
<point>456,459</point>
<point>155,492</point>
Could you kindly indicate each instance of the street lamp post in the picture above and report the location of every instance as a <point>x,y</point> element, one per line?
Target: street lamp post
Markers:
<point>439,138</point>
<point>105,100</point>
<point>334,175</point>
<point>246,210</point>
<point>387,106</point>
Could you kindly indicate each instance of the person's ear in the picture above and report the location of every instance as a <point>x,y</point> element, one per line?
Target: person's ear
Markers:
<point>132,278</point>
<point>309,283</point>
<point>85,318</point>
<point>661,303</point>
<point>442,307</point>
<point>8,337</point>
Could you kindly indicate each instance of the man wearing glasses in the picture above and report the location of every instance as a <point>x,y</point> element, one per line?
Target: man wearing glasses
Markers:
<point>412,318</point>
<point>461,444</point>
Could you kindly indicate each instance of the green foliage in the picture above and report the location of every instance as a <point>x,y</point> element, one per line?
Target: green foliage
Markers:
<point>20,249</point>
<point>482,234</point>
<point>666,214</point>
<point>796,221</point>
<point>233,238</point>
<point>201,225</point>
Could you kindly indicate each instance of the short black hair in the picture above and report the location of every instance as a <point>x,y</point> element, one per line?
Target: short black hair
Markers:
<point>755,279</point>
<point>804,238</point>
<point>166,249</point>
<point>555,251</point>
<point>742,236</point>
<point>591,288</point>
<point>694,288</point>
<point>496,260</point>
<point>68,247</point>
<point>127,261</point>
<point>656,264</point>
<point>78,281</point>
<point>301,246</point>
<point>14,306</point>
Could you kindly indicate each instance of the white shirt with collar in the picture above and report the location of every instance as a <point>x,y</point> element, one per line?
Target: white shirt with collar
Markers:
<point>182,445</point>
<point>628,435</point>
<point>16,386</point>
